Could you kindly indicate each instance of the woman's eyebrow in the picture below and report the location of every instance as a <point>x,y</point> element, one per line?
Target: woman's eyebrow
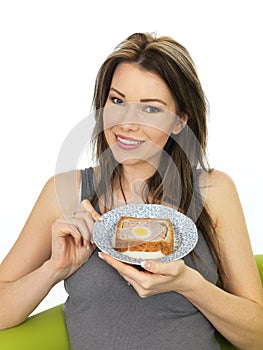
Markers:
<point>153,100</point>
<point>118,92</point>
<point>142,99</point>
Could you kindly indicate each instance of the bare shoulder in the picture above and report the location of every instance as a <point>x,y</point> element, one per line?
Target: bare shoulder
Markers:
<point>72,177</point>
<point>220,184</point>
<point>219,191</point>
<point>61,190</point>
<point>219,179</point>
<point>66,187</point>
<point>215,180</point>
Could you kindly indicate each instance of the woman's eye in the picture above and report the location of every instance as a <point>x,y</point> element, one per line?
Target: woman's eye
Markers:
<point>151,109</point>
<point>116,100</point>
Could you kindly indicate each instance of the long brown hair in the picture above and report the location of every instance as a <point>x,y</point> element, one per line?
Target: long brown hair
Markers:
<point>186,151</point>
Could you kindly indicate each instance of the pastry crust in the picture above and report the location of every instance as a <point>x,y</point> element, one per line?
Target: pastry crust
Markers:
<point>144,235</point>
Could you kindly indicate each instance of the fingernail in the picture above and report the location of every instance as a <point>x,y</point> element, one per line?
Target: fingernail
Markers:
<point>100,256</point>
<point>86,243</point>
<point>146,264</point>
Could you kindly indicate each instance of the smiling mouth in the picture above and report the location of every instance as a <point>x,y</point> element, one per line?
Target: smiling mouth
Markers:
<point>128,142</point>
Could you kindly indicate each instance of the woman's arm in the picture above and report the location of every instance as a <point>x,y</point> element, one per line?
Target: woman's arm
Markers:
<point>24,279</point>
<point>237,312</point>
<point>20,297</point>
<point>51,246</point>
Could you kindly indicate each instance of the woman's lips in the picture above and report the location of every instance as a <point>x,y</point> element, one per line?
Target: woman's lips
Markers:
<point>127,143</point>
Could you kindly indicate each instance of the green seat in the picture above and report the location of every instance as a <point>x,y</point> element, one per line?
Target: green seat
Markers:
<point>47,331</point>
<point>43,331</point>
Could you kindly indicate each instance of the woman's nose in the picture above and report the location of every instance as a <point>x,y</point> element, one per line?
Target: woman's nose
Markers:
<point>130,114</point>
<point>127,117</point>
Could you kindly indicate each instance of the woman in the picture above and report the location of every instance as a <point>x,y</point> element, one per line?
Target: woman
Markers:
<point>150,139</point>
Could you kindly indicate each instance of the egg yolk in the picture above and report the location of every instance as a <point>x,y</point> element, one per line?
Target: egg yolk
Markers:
<point>140,231</point>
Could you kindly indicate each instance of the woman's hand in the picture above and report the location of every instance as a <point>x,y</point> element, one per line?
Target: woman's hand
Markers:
<point>72,240</point>
<point>158,277</point>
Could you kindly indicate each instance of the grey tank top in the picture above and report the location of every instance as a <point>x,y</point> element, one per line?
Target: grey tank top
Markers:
<point>103,313</point>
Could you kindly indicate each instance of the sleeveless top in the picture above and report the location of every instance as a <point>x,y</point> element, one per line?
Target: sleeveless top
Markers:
<point>102,312</point>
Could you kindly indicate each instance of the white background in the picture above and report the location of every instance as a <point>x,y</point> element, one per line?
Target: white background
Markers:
<point>50,53</point>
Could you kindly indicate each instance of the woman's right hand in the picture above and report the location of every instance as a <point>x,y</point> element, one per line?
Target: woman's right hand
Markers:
<point>72,240</point>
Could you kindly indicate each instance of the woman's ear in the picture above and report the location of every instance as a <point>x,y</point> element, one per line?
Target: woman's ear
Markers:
<point>180,123</point>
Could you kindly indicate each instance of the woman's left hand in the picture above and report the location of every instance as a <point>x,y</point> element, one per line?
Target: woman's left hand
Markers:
<point>158,277</point>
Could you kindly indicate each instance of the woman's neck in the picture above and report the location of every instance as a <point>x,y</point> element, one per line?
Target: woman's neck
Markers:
<point>131,186</point>
<point>131,174</point>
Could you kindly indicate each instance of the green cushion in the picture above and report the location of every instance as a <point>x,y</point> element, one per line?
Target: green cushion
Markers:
<point>43,331</point>
<point>259,260</point>
<point>47,331</point>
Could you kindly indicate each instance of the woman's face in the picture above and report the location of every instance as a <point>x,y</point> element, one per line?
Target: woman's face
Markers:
<point>139,115</point>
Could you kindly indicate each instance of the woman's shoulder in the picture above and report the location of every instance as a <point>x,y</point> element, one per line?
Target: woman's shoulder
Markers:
<point>219,191</point>
<point>68,175</point>
<point>69,185</point>
<point>215,180</point>
<point>71,177</point>
<point>220,183</point>
<point>64,188</point>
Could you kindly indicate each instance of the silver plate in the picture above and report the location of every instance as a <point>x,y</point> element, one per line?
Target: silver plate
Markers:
<point>186,234</point>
